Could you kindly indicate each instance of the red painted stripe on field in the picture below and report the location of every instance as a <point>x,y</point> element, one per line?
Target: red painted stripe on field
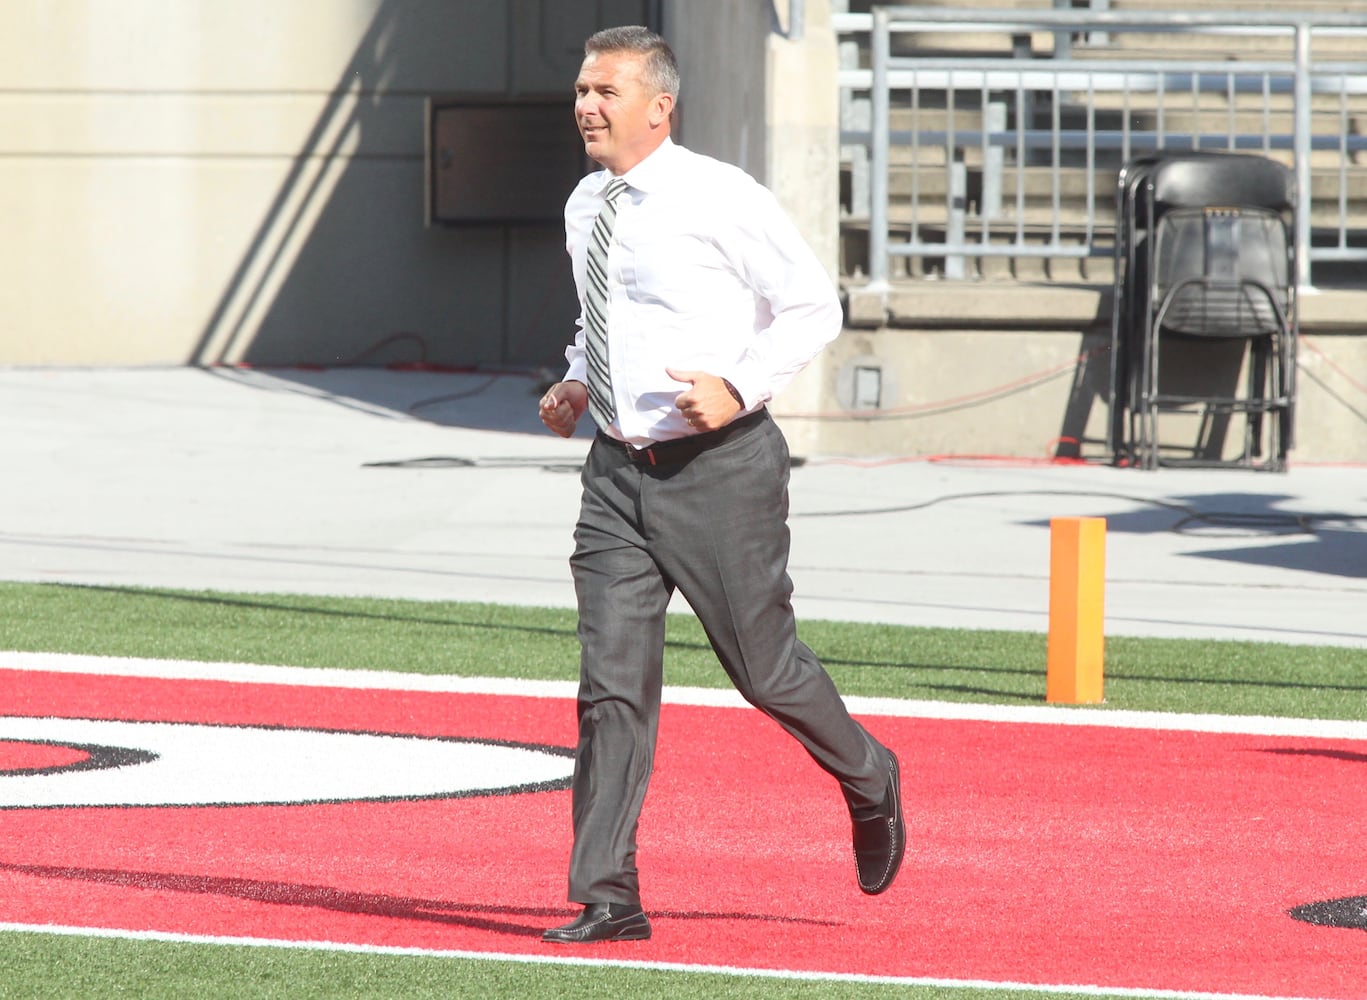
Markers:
<point>1038,854</point>
<point>18,757</point>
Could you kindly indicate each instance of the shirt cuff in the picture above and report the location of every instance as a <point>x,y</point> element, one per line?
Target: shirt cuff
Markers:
<point>752,386</point>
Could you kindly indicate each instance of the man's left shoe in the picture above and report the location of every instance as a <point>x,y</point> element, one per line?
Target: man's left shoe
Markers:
<point>602,922</point>
<point>880,840</point>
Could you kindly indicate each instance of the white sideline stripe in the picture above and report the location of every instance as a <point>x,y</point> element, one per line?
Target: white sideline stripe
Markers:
<point>251,673</point>
<point>723,970</point>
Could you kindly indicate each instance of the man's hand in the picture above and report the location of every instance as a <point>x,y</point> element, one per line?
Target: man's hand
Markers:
<point>707,404</point>
<point>562,405</point>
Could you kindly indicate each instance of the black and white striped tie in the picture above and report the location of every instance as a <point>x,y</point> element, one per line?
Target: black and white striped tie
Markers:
<point>596,307</point>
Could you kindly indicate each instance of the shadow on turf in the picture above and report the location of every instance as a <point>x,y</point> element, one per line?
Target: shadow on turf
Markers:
<point>293,606</point>
<point>300,606</point>
<point>477,916</point>
<point>1327,542</point>
<point>1348,755</point>
<point>1349,912</point>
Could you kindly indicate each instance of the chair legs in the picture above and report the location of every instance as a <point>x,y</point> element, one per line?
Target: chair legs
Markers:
<point>1265,409</point>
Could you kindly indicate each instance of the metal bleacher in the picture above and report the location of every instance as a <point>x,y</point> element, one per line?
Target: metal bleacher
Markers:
<point>982,140</point>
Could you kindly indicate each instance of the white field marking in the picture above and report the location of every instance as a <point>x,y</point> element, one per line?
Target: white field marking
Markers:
<point>221,765</point>
<point>572,960</point>
<point>250,673</point>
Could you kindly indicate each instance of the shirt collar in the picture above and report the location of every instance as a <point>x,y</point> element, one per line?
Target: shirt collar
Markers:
<point>650,173</point>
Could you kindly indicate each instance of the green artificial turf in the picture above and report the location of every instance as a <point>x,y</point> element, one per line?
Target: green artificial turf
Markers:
<point>36,965</point>
<point>1179,675</point>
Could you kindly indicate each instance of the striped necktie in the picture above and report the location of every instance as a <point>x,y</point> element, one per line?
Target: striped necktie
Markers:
<point>596,307</point>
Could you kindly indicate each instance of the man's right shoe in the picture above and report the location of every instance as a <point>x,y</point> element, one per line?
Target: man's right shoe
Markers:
<point>603,922</point>
<point>879,840</point>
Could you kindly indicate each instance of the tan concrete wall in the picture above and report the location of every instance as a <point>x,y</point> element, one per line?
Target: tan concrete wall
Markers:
<point>201,180</point>
<point>1332,386</point>
<point>196,180</point>
<point>955,392</point>
<point>1011,369</point>
<point>770,104</point>
<point>146,141</point>
<point>720,45</point>
<point>1023,394</point>
<point>804,169</point>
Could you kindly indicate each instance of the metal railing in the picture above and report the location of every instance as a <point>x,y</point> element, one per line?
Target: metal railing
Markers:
<point>1076,108</point>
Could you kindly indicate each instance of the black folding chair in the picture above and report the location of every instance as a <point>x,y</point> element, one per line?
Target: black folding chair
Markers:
<point>1205,259</point>
<point>1127,319</point>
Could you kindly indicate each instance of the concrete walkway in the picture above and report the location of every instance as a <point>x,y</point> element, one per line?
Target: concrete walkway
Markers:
<point>446,487</point>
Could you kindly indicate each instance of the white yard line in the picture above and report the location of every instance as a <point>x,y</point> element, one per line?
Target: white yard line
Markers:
<point>251,673</point>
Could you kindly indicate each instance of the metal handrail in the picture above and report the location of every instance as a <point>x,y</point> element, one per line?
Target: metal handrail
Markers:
<point>1294,76</point>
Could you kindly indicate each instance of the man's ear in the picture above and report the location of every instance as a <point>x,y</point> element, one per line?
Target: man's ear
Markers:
<point>660,110</point>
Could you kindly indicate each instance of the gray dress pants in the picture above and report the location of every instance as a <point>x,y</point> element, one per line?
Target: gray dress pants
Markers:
<point>713,527</point>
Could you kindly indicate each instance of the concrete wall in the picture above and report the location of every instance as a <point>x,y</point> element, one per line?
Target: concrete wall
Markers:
<point>1010,370</point>
<point>755,97</point>
<point>722,65</point>
<point>1042,393</point>
<point>195,181</point>
<point>203,181</point>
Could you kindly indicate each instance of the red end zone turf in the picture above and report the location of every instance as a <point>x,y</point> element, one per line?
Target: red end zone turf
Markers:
<point>1067,855</point>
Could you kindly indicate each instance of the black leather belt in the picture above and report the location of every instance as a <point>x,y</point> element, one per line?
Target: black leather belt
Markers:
<point>682,449</point>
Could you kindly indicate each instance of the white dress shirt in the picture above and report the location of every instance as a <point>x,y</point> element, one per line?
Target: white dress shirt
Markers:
<point>705,273</point>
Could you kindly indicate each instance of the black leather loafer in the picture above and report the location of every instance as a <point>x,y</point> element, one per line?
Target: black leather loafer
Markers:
<point>880,840</point>
<point>602,922</point>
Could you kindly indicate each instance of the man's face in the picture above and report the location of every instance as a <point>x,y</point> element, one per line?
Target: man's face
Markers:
<point>621,121</point>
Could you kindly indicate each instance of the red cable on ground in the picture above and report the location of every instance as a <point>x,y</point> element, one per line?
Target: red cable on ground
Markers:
<point>1025,381</point>
<point>1334,365</point>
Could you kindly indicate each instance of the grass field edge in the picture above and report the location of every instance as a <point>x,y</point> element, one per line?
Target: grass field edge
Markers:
<point>589,961</point>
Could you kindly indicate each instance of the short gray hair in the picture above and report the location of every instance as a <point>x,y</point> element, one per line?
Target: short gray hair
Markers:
<point>660,70</point>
